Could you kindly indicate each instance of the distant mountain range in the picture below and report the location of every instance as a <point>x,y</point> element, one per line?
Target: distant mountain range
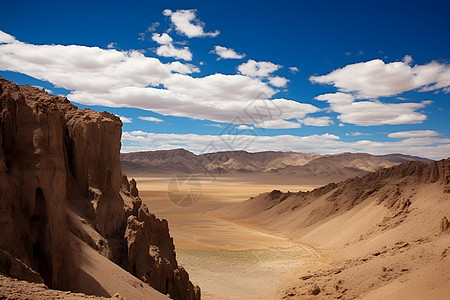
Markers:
<point>295,164</point>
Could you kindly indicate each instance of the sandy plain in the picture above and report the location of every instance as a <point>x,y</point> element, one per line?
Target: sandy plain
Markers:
<point>228,259</point>
<point>348,256</point>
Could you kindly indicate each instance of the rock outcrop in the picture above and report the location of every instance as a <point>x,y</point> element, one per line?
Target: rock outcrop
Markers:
<point>60,172</point>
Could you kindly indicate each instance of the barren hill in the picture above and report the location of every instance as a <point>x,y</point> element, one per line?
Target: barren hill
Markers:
<point>383,233</point>
<point>299,165</point>
<point>69,217</point>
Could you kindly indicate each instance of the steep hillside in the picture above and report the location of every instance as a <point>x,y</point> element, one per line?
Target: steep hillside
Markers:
<point>381,233</point>
<point>62,193</point>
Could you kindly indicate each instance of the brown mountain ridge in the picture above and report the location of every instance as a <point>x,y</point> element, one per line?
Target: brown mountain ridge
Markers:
<point>299,165</point>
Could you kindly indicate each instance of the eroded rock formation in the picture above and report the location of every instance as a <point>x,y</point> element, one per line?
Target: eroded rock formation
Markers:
<point>60,173</point>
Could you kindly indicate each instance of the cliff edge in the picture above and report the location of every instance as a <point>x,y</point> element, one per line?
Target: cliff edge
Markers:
<point>61,187</point>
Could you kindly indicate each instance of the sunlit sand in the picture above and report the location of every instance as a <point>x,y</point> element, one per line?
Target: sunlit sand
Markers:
<point>228,260</point>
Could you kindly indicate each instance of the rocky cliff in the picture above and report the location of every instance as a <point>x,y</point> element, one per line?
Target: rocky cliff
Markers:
<point>60,174</point>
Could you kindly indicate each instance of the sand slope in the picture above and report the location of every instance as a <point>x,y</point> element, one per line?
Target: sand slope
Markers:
<point>380,233</point>
<point>99,276</point>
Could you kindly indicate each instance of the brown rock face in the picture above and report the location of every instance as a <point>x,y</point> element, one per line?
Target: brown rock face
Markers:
<point>151,248</point>
<point>33,183</point>
<point>60,172</point>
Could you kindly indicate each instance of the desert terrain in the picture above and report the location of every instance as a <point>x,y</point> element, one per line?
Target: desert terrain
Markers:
<point>371,237</point>
<point>229,260</point>
<point>265,225</point>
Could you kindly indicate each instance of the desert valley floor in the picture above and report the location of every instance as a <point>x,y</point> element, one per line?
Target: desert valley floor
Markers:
<point>368,252</point>
<point>226,257</point>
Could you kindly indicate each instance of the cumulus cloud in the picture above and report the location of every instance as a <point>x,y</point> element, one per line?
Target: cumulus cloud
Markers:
<point>244,127</point>
<point>430,147</point>
<point>162,39</point>
<point>375,78</point>
<point>198,143</point>
<point>368,113</point>
<point>125,119</point>
<point>258,69</point>
<point>111,45</point>
<point>6,38</point>
<point>190,97</point>
<point>83,68</point>
<point>278,81</point>
<point>293,70</point>
<point>278,124</point>
<point>357,133</point>
<point>178,67</point>
<point>226,53</point>
<point>115,78</point>
<point>151,119</point>
<point>317,121</point>
<point>214,125</point>
<point>169,50</point>
<point>413,134</point>
<point>407,59</point>
<point>186,22</point>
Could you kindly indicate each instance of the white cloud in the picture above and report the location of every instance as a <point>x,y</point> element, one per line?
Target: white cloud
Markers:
<point>170,51</point>
<point>178,67</point>
<point>162,39</point>
<point>6,38</point>
<point>151,119</point>
<point>278,124</point>
<point>376,79</point>
<point>407,59</point>
<point>429,147</point>
<point>125,119</point>
<point>244,127</point>
<point>111,45</point>
<point>83,68</point>
<point>215,125</point>
<point>317,121</point>
<point>278,81</point>
<point>198,143</point>
<point>368,113</point>
<point>413,134</point>
<point>226,53</point>
<point>153,27</point>
<point>257,69</point>
<point>357,133</point>
<point>220,98</point>
<point>115,78</point>
<point>294,69</point>
<point>186,22</point>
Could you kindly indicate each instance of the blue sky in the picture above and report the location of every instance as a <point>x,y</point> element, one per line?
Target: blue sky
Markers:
<point>306,76</point>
